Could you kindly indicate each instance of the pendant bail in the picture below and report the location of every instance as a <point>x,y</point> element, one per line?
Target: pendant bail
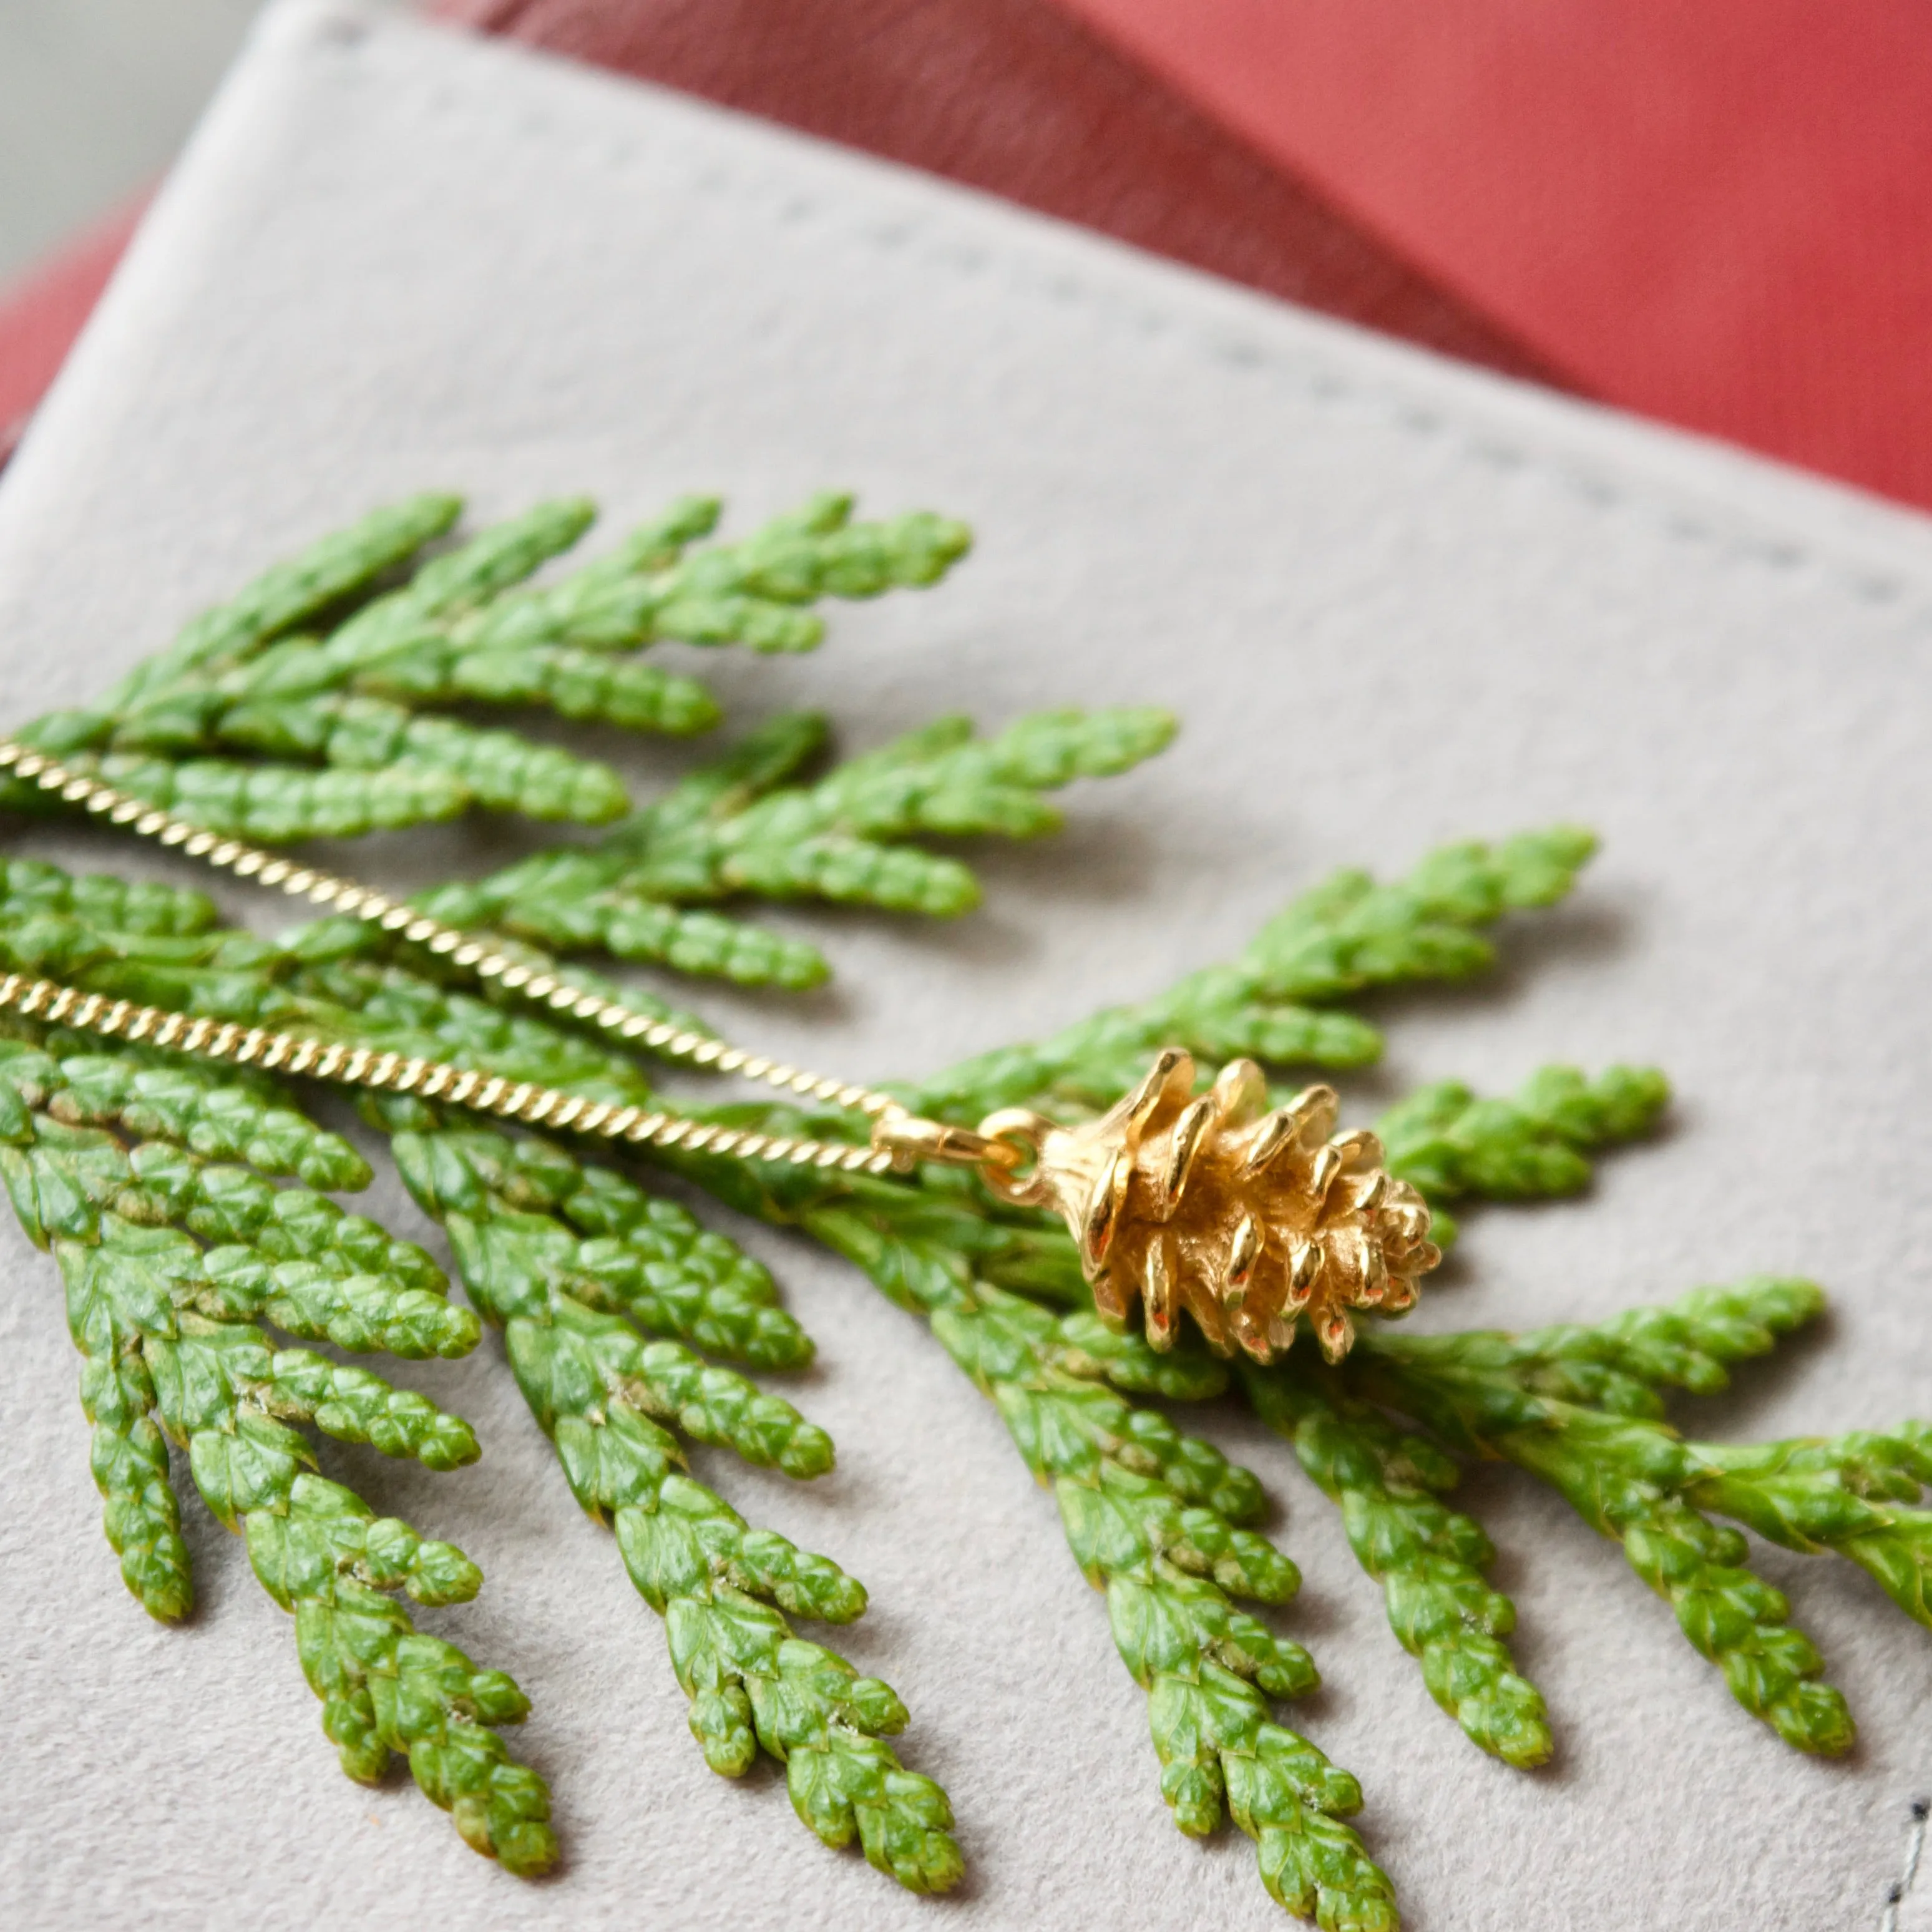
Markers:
<point>910,1140</point>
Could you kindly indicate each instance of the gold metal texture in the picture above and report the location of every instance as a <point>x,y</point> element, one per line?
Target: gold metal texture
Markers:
<point>539,1106</point>
<point>461,949</point>
<point>1246,1219</point>
<point>525,1100</point>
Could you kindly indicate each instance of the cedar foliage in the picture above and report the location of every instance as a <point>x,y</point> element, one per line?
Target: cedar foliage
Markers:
<point>306,705</point>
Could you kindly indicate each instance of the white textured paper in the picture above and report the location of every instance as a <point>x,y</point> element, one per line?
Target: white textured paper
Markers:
<point>1395,602</point>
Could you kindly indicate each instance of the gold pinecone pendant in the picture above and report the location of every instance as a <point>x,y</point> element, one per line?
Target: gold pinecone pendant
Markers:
<point>1247,1218</point>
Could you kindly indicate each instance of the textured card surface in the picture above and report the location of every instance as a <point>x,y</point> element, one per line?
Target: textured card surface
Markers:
<point>1394,602</point>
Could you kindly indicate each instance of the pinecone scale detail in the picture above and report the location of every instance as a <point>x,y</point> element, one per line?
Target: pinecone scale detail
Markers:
<point>1250,1220</point>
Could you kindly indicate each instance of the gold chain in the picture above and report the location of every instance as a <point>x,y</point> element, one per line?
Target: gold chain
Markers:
<point>1252,1221</point>
<point>429,1079</point>
<point>899,1138</point>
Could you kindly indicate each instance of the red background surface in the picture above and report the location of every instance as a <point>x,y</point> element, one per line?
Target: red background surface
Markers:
<point>1716,213</point>
<point>1017,97</point>
<point>41,316</point>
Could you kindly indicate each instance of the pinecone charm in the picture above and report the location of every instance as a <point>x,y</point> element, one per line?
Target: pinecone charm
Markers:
<point>1246,1218</point>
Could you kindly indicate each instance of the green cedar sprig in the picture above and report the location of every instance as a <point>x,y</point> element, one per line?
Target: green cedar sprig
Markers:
<point>1580,1406</point>
<point>744,825</point>
<point>1037,1259</point>
<point>929,1246</point>
<point>1278,1001</point>
<point>572,1261</point>
<point>330,978</point>
<point>528,1210</point>
<point>732,828</point>
<point>1814,1494</point>
<point>1154,1518</point>
<point>1428,1557</point>
<point>296,710</point>
<point>168,1259</point>
<point>1634,1479</point>
<point>165,946</point>
<point>599,1288</point>
<point>160,945</point>
<point>1451,1143</point>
